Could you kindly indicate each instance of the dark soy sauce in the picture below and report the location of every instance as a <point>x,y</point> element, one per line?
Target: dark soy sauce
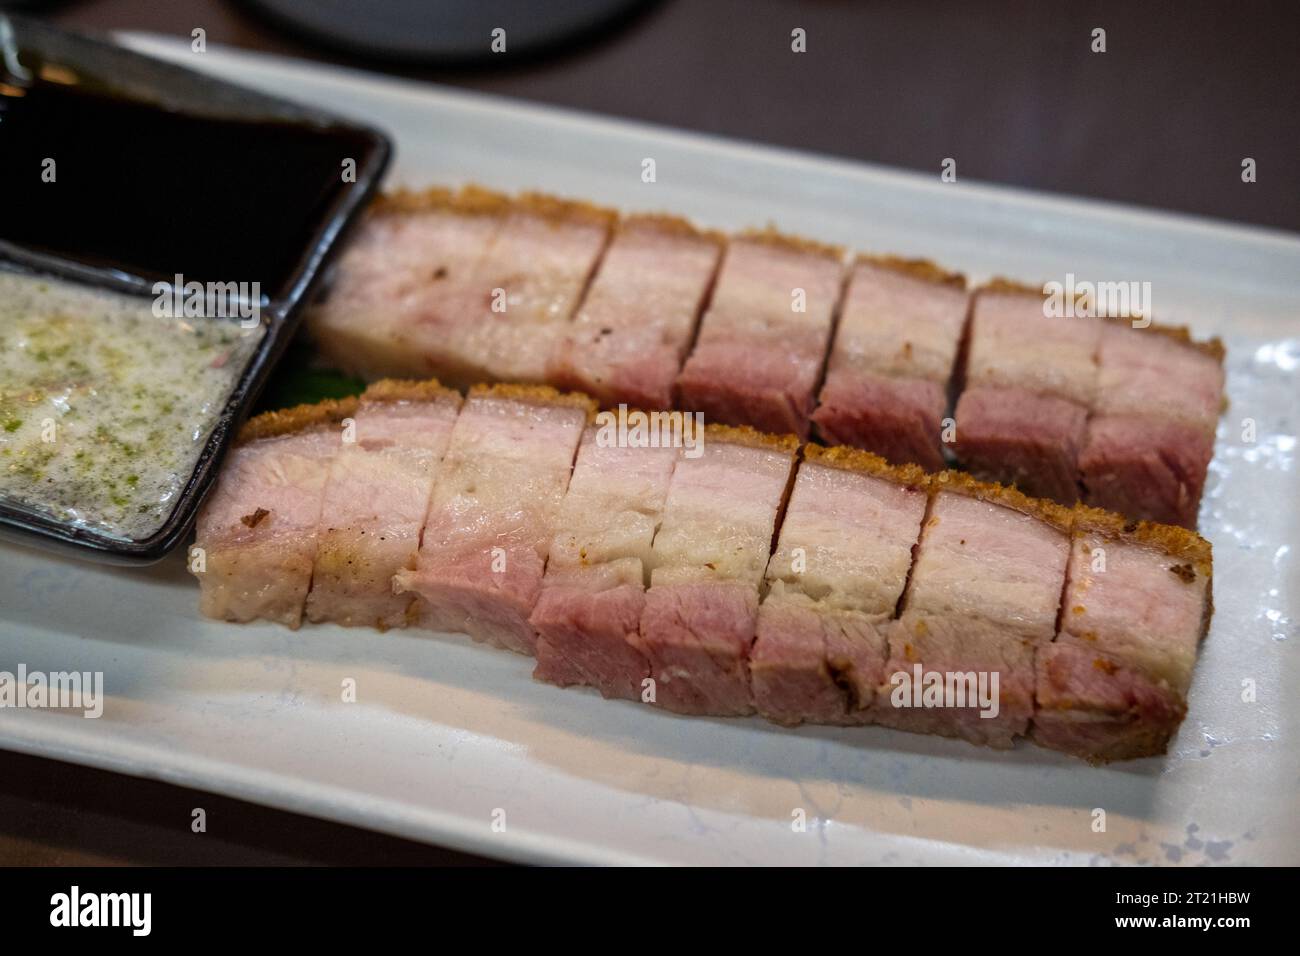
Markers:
<point>152,192</point>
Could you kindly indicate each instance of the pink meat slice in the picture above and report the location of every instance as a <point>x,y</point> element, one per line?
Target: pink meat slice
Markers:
<point>900,419</point>
<point>586,631</point>
<point>1146,467</point>
<point>1019,437</point>
<point>815,664</point>
<point>1114,683</point>
<point>405,284</point>
<point>492,514</point>
<point>593,594</point>
<point>528,284</point>
<point>1151,438</point>
<point>758,356</point>
<point>1014,345</point>
<point>834,580</point>
<point>707,563</point>
<point>696,637</point>
<point>1097,708</point>
<point>983,595</point>
<point>892,360</point>
<point>258,531</point>
<point>1030,381</point>
<point>1157,372</point>
<point>628,339</point>
<point>375,502</point>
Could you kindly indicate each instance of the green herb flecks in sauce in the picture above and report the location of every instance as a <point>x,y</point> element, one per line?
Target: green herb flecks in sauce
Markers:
<point>104,406</point>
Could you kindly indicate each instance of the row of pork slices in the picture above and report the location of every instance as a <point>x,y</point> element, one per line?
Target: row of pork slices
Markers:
<point>780,334</point>
<point>711,570</point>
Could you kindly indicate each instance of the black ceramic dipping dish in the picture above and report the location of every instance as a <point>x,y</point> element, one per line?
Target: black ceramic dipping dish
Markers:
<point>169,172</point>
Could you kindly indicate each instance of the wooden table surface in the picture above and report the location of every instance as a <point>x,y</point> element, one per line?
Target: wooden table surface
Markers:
<point>1011,90</point>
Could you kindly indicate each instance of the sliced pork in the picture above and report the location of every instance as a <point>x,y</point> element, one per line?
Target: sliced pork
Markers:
<point>933,603</point>
<point>257,533</point>
<point>1023,438</point>
<point>469,286</point>
<point>493,511</point>
<point>589,612</point>
<point>627,341</point>
<point>1113,685</point>
<point>892,360</point>
<point>406,283</point>
<point>1151,435</point>
<point>375,502</point>
<point>476,286</point>
<point>1030,381</point>
<point>834,580</point>
<point>708,561</point>
<point>529,285</point>
<point>983,596</point>
<point>762,343</point>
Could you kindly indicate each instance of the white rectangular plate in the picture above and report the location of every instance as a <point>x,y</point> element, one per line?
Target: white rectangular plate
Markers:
<point>446,737</point>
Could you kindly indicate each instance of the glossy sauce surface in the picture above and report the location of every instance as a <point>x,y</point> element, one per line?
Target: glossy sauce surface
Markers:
<point>120,183</point>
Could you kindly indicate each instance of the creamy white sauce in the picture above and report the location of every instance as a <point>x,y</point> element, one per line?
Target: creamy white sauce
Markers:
<point>105,407</point>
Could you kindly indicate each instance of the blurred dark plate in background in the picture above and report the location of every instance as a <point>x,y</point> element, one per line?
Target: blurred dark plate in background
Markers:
<point>446,31</point>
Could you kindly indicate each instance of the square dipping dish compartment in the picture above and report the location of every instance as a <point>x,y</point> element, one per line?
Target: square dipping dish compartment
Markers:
<point>136,192</point>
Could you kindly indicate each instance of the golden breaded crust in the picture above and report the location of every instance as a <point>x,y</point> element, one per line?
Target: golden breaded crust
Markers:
<point>536,395</point>
<point>959,482</point>
<point>1169,539</point>
<point>299,418</point>
<point>771,237</point>
<point>478,201</point>
<point>630,410</point>
<point>1001,286</point>
<point>409,200</point>
<point>854,459</point>
<point>671,225</point>
<point>744,435</point>
<point>469,200</point>
<point>1212,347</point>
<point>409,390</point>
<point>564,210</point>
<point>923,269</point>
<point>688,419</point>
<point>1004,286</point>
